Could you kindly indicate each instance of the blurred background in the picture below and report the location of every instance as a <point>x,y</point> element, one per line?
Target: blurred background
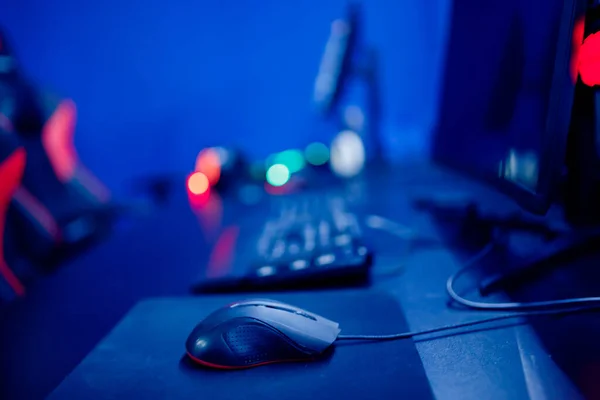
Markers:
<point>154,149</point>
<point>155,82</point>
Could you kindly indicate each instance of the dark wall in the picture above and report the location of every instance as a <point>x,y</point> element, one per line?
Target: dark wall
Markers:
<point>155,81</point>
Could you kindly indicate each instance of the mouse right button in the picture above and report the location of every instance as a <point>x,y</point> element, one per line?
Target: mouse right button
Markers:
<point>315,333</point>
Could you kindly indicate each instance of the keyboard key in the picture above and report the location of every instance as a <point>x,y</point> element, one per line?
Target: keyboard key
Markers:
<point>324,233</point>
<point>267,270</point>
<point>298,265</point>
<point>278,249</point>
<point>342,240</point>
<point>325,259</point>
<point>309,238</point>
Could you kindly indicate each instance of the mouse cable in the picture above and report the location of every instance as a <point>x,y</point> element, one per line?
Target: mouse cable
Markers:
<point>514,306</point>
<point>407,335</point>
<point>377,222</point>
<point>553,307</point>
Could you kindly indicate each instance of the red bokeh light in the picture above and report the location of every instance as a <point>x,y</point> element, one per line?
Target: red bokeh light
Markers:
<point>197,184</point>
<point>209,163</point>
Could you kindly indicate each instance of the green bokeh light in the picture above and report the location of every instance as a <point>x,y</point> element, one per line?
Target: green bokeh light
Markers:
<point>317,153</point>
<point>278,175</point>
<point>292,159</point>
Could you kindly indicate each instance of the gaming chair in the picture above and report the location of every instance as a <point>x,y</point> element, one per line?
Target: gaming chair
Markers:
<point>59,202</point>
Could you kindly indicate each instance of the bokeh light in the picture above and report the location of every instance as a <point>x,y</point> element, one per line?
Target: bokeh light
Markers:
<point>209,163</point>
<point>347,154</point>
<point>197,183</point>
<point>316,153</point>
<point>278,175</point>
<point>292,159</point>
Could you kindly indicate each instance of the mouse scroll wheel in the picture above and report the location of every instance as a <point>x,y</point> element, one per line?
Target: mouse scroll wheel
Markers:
<point>297,312</point>
<point>305,315</point>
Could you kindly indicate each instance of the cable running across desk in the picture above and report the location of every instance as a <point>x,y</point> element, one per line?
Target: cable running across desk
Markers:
<point>407,335</point>
<point>544,308</point>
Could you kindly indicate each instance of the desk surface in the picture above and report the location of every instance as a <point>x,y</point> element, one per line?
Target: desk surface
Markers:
<point>91,294</point>
<point>143,357</point>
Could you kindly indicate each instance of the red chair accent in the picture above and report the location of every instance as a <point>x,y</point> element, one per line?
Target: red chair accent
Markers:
<point>11,171</point>
<point>58,141</point>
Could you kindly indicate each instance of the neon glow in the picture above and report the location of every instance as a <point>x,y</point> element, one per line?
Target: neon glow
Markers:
<point>316,153</point>
<point>11,171</point>
<point>209,163</point>
<point>278,175</point>
<point>589,60</point>
<point>197,183</point>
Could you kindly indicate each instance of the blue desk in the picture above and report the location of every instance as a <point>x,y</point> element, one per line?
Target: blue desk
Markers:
<point>89,296</point>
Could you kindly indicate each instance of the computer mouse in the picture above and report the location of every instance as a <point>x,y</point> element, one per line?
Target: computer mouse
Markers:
<point>257,332</point>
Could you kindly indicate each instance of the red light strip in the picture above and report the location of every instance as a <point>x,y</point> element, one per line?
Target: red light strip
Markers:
<point>57,139</point>
<point>11,172</point>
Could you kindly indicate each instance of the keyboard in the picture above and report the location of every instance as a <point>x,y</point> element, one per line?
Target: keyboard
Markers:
<point>305,243</point>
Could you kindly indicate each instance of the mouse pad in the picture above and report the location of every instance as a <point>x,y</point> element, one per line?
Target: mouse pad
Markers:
<point>143,357</point>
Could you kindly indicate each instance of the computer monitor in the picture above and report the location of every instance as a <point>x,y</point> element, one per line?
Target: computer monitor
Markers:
<point>507,95</point>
